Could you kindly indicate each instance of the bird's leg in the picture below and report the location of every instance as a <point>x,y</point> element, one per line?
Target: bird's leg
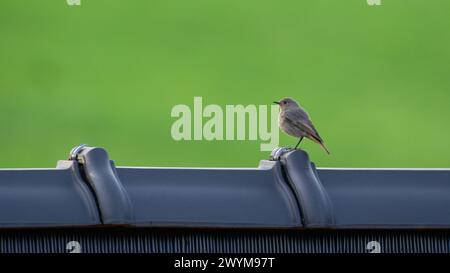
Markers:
<point>298,143</point>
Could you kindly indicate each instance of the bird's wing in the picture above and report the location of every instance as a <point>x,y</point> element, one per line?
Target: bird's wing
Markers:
<point>298,117</point>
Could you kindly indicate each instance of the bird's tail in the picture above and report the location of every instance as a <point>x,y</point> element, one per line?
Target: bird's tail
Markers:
<point>324,147</point>
<point>320,142</point>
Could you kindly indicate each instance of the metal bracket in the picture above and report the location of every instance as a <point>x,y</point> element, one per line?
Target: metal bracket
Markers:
<point>278,152</point>
<point>73,155</point>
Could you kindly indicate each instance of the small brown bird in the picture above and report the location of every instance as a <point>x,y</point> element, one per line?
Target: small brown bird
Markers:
<point>296,122</point>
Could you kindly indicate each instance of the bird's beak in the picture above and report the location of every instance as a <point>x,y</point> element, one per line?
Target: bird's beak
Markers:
<point>276,102</point>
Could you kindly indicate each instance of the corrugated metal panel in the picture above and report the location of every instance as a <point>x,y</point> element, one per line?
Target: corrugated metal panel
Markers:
<point>223,241</point>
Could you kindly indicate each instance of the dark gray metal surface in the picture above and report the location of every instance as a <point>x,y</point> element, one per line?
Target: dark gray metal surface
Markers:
<point>46,197</point>
<point>388,198</point>
<point>211,197</point>
<point>112,198</point>
<point>316,207</point>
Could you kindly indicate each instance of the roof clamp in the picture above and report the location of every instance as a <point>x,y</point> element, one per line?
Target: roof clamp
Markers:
<point>73,155</point>
<point>278,152</point>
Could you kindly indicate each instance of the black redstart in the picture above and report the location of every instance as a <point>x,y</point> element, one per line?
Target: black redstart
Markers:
<point>295,122</point>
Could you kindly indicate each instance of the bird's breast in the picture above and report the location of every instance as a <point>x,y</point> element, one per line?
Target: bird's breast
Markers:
<point>290,128</point>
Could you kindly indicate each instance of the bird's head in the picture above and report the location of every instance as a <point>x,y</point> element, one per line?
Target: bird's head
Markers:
<point>286,103</point>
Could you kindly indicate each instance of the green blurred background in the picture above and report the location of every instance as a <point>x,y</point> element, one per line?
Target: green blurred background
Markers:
<point>375,79</point>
